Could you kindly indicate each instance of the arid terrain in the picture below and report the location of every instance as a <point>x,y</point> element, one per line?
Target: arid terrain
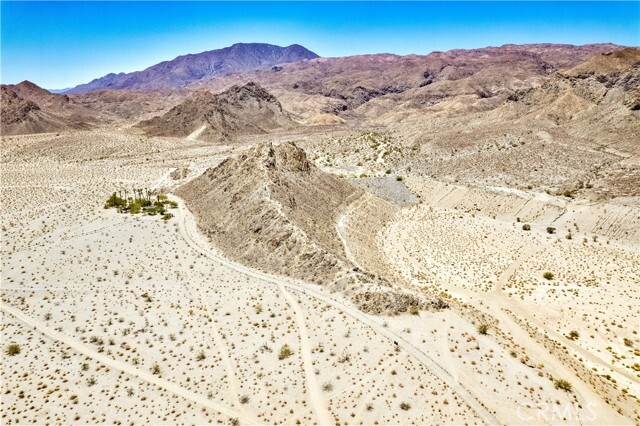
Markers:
<point>451,238</point>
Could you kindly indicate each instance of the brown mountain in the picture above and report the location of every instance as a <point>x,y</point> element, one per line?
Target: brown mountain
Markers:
<point>596,100</point>
<point>575,134</point>
<point>240,110</point>
<point>28,108</point>
<point>188,68</point>
<point>374,86</point>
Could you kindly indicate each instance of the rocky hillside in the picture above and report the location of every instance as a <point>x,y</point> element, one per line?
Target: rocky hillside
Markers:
<point>385,85</point>
<point>240,110</point>
<point>189,68</point>
<point>272,209</point>
<point>596,100</point>
<point>28,108</point>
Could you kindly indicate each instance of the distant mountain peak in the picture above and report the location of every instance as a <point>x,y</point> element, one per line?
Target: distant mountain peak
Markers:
<point>186,69</point>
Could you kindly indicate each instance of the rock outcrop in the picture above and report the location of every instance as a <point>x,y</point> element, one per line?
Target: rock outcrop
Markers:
<point>272,209</point>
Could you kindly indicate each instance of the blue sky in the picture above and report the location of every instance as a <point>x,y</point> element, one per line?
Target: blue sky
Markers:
<point>61,44</point>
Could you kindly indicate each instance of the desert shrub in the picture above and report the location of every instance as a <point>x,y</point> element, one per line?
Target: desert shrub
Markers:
<point>548,275</point>
<point>551,230</point>
<point>285,352</point>
<point>405,406</point>
<point>526,227</point>
<point>399,178</point>
<point>345,357</point>
<point>563,385</point>
<point>413,310</point>
<point>155,369</point>
<point>327,387</point>
<point>244,399</point>
<point>573,335</point>
<point>97,340</point>
<point>13,349</point>
<point>201,356</point>
<point>483,329</point>
<point>628,342</point>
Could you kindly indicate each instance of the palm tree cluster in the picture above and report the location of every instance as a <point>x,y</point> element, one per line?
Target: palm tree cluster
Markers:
<point>141,202</point>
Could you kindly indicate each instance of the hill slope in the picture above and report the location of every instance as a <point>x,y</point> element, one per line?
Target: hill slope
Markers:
<point>28,108</point>
<point>188,68</point>
<point>272,209</point>
<point>241,110</point>
<point>595,100</point>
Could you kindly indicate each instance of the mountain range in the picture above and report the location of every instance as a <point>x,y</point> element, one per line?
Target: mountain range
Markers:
<point>226,90</point>
<point>189,68</point>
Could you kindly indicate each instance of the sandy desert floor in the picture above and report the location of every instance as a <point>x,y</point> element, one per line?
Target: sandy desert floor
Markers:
<point>132,319</point>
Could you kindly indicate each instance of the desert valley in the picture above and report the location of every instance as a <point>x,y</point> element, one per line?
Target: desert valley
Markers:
<point>259,235</point>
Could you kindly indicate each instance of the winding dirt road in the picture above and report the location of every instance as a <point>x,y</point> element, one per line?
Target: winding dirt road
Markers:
<point>188,229</point>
